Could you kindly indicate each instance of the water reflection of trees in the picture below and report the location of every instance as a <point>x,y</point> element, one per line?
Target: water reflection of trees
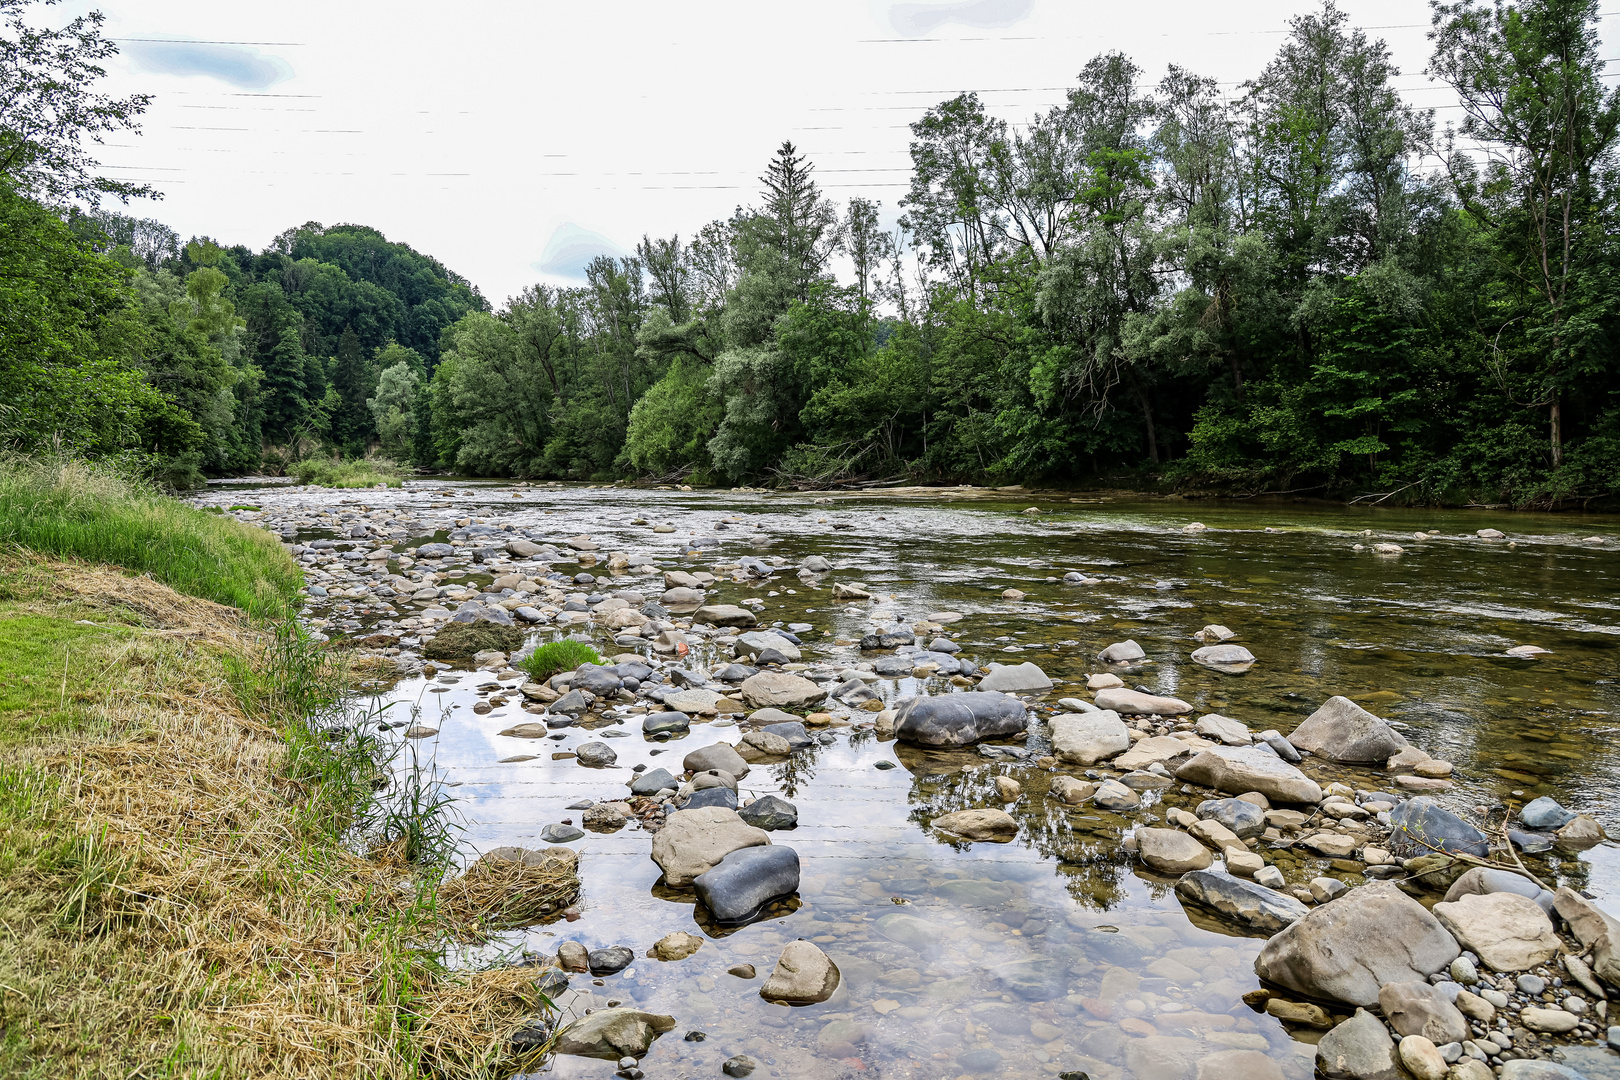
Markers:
<point>799,769</point>
<point>1083,842</point>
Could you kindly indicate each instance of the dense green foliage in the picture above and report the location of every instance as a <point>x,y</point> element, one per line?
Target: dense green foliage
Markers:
<point>66,507</point>
<point>1152,283</point>
<point>564,654</point>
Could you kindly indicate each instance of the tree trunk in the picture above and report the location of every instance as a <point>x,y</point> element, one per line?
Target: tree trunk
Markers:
<point>1557,425</point>
<point>1147,419</point>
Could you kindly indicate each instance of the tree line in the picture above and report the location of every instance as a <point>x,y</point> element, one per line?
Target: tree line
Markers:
<point>1299,284</point>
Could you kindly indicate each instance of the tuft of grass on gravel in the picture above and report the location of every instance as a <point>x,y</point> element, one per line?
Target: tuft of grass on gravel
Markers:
<point>564,655</point>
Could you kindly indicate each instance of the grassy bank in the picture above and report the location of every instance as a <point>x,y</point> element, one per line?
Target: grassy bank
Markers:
<point>74,509</point>
<point>367,473</point>
<point>201,870</point>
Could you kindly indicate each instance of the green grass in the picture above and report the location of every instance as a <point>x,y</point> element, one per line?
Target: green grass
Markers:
<point>43,671</point>
<point>76,509</point>
<point>367,473</point>
<point>564,655</point>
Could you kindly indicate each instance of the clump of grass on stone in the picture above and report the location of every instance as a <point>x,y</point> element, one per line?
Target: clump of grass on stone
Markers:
<point>468,639</point>
<point>564,655</point>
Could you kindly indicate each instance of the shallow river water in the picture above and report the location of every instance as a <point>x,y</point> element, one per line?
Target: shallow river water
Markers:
<point>1031,958</point>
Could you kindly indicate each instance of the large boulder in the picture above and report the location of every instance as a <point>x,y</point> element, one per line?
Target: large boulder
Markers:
<point>1087,738</point>
<point>1343,731</point>
<point>1508,931</point>
<point>746,880</point>
<point>1346,949</point>
<point>780,690</point>
<point>1421,826</point>
<point>693,842</point>
<point>1023,678</point>
<point>1239,770</point>
<point>720,755</point>
<point>1417,1008</point>
<point>1136,703</point>
<point>1171,851</point>
<point>613,1033</point>
<point>958,719</point>
<point>804,975</point>
<point>1595,928</point>
<point>1359,1049</point>
<point>1240,901</point>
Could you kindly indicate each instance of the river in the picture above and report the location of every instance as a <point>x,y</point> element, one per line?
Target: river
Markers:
<point>1022,959</point>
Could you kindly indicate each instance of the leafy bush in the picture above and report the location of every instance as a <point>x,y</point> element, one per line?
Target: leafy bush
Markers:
<point>365,473</point>
<point>564,655</point>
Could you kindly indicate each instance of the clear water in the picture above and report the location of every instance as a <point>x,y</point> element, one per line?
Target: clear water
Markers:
<point>1055,952</point>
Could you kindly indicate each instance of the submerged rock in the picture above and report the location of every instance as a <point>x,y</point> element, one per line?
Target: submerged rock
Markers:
<point>958,719</point>
<point>1243,902</point>
<point>994,825</point>
<point>613,1033</point>
<point>1420,826</point>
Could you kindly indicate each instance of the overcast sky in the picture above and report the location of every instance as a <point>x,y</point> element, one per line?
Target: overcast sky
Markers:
<point>513,140</point>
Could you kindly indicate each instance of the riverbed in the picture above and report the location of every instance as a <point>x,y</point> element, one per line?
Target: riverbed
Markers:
<point>1025,958</point>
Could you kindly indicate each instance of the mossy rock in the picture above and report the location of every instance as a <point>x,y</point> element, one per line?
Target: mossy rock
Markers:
<point>464,639</point>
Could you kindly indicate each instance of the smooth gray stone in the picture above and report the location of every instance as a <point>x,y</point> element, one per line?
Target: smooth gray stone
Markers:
<point>712,796</point>
<point>1280,746</point>
<point>1483,879</point>
<point>1545,815</point>
<point>665,722</point>
<point>746,880</point>
<point>473,611</point>
<point>1421,826</point>
<point>653,781</point>
<point>1243,818</point>
<point>560,834</point>
<point>891,666</point>
<point>770,813</point>
<point>1359,1049</point>
<point>609,960</point>
<point>595,753</point>
<point>793,731</point>
<point>572,702</point>
<point>600,681</point>
<point>1122,652</point>
<point>1531,843</point>
<point>958,719</point>
<point>1240,900</point>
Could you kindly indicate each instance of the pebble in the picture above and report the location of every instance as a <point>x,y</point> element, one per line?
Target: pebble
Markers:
<point>1531,984</point>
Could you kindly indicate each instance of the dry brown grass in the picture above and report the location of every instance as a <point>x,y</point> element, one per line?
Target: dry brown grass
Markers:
<point>167,907</point>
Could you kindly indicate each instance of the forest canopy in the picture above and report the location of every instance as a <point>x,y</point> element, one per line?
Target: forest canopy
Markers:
<point>1305,284</point>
